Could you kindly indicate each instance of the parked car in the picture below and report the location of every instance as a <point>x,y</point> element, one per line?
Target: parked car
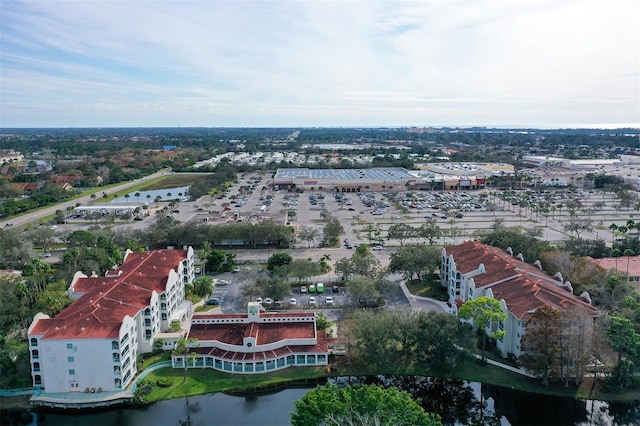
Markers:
<point>259,300</point>
<point>293,301</point>
<point>335,289</point>
<point>378,247</point>
<point>312,300</point>
<point>329,300</point>
<point>213,301</point>
<point>303,289</point>
<point>268,301</point>
<point>236,270</point>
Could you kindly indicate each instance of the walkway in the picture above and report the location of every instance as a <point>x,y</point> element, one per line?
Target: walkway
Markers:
<point>429,304</point>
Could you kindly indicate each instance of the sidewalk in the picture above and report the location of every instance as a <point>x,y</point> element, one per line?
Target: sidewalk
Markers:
<point>423,303</point>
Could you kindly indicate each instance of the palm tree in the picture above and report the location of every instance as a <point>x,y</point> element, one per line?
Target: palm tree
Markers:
<point>204,253</point>
<point>126,196</point>
<point>148,197</point>
<point>137,197</point>
<point>628,253</point>
<point>183,347</point>
<point>203,287</point>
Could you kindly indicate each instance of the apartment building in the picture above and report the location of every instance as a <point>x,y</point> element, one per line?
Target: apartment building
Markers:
<point>471,270</point>
<point>91,346</point>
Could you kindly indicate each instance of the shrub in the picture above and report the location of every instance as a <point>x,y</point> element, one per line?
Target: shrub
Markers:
<point>164,383</point>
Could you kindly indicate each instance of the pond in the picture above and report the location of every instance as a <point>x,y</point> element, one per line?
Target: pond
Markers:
<point>457,401</point>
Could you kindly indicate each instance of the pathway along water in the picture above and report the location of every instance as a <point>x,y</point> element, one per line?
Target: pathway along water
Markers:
<point>456,401</point>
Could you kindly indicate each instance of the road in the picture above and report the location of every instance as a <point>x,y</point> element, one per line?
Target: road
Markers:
<point>48,211</point>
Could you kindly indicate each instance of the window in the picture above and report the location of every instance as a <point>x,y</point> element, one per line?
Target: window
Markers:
<point>69,345</point>
<point>36,366</point>
<point>37,379</point>
<point>34,341</point>
<point>634,279</point>
<point>72,372</point>
<point>70,359</point>
<point>35,354</point>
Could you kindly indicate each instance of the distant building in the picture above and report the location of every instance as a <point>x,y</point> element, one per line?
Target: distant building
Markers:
<point>629,265</point>
<point>441,176</point>
<point>10,156</point>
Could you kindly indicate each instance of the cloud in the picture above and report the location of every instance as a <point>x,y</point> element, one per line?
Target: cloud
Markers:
<point>319,63</point>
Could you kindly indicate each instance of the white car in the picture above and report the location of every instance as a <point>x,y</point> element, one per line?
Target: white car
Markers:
<point>268,301</point>
<point>312,300</point>
<point>329,300</point>
<point>303,289</point>
<point>259,300</point>
<point>377,248</point>
<point>293,301</point>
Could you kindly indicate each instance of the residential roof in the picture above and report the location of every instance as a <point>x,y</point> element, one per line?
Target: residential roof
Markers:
<point>320,347</point>
<point>264,333</point>
<point>105,301</point>
<point>523,287</point>
<point>627,264</point>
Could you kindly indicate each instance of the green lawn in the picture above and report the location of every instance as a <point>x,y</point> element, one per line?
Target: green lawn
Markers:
<point>204,381</point>
<point>429,289</point>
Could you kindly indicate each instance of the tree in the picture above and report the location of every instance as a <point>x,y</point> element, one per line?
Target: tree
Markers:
<point>372,232</point>
<point>308,234</point>
<point>43,236</point>
<point>204,255</point>
<point>401,232</point>
<point>626,342</point>
<point>303,268</point>
<point>360,404</point>
<point>436,333</point>
<point>430,230</point>
<point>415,261</point>
<point>203,287</point>
<point>183,348</point>
<point>541,343</point>
<point>275,287</point>
<point>278,259</point>
<point>332,231</point>
<point>577,226</point>
<point>220,261</point>
<point>485,312</point>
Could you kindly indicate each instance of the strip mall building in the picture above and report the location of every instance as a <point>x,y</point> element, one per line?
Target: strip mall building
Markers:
<point>436,177</point>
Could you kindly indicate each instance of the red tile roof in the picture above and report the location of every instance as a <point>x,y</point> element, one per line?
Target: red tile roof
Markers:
<point>524,287</point>
<point>264,333</point>
<point>626,264</point>
<point>320,347</point>
<point>107,300</point>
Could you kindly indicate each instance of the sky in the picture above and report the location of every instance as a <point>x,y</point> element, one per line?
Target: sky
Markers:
<point>209,63</point>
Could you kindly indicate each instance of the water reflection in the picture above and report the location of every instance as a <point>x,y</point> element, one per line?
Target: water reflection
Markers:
<point>458,403</point>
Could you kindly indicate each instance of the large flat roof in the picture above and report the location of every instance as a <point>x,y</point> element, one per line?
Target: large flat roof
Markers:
<point>381,174</point>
